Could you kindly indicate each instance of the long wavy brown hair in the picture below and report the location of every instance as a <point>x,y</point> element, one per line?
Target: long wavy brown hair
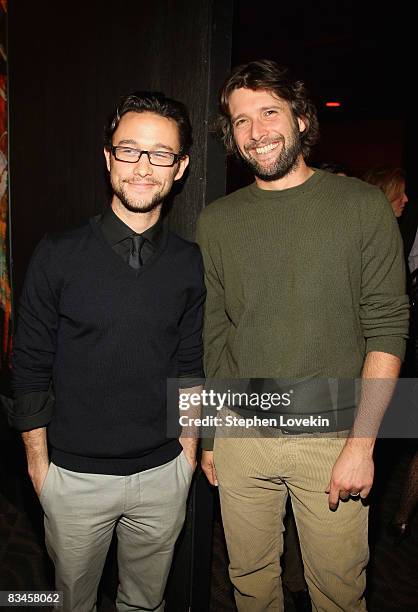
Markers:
<point>269,76</point>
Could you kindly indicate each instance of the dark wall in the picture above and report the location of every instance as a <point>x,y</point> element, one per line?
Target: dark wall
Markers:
<point>358,144</point>
<point>69,65</point>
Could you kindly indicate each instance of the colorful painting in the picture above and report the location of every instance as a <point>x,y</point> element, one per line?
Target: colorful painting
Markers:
<point>5,290</point>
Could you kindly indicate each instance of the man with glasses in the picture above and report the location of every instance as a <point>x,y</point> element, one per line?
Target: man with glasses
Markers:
<point>108,313</point>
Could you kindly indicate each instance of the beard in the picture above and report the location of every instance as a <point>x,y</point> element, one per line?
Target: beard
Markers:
<point>285,163</point>
<point>138,204</point>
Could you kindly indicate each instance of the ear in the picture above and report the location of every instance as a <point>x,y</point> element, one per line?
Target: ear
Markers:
<point>302,124</point>
<point>107,157</point>
<point>183,163</point>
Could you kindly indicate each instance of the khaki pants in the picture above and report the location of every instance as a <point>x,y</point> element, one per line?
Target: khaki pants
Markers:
<point>81,512</point>
<point>255,476</point>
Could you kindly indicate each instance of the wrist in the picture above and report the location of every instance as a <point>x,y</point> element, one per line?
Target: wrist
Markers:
<point>363,444</point>
<point>189,443</point>
<point>36,465</point>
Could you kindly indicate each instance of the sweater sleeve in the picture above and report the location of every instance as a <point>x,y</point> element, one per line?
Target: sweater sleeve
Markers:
<point>216,321</point>
<point>190,354</point>
<point>34,343</point>
<point>384,304</point>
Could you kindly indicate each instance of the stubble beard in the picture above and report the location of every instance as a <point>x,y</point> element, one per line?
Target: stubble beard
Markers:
<point>285,163</point>
<point>137,205</point>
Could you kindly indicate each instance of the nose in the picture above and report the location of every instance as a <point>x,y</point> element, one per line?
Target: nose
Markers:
<point>404,199</point>
<point>258,129</point>
<point>143,166</point>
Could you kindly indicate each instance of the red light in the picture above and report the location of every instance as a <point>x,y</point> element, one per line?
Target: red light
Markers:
<point>332,104</point>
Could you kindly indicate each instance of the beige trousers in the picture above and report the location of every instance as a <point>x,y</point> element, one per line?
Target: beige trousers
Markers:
<point>147,510</point>
<point>255,477</point>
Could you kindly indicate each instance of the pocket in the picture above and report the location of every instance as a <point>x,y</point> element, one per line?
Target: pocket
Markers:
<point>186,461</point>
<point>44,485</point>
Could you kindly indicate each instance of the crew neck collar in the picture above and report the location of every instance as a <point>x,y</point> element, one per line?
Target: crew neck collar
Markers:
<point>305,187</point>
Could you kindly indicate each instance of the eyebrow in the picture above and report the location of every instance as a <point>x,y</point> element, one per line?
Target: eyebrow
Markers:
<point>262,108</point>
<point>155,147</point>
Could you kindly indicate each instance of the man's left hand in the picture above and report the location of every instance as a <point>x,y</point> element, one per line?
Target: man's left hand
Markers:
<point>353,472</point>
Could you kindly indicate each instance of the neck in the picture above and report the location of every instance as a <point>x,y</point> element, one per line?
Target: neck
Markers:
<point>298,175</point>
<point>139,222</point>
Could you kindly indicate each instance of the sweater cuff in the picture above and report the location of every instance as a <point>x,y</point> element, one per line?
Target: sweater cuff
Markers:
<point>195,379</point>
<point>207,444</point>
<point>387,344</point>
<point>31,410</point>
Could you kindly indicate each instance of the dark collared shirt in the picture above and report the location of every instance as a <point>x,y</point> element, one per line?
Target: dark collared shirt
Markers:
<point>119,235</point>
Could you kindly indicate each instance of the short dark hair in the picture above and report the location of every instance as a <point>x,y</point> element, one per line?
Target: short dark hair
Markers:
<point>152,102</point>
<point>269,76</point>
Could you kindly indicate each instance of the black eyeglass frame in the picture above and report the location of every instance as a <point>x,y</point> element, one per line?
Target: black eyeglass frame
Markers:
<point>176,156</point>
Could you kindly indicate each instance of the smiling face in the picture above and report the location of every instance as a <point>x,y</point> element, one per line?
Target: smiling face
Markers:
<point>140,187</point>
<point>266,133</point>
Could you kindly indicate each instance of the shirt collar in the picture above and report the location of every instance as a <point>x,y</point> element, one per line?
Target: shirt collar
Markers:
<point>115,230</point>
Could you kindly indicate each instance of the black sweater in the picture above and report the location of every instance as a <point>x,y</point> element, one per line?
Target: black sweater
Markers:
<point>109,336</point>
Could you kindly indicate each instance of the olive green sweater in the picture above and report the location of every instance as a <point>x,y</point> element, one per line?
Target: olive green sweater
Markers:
<point>302,282</point>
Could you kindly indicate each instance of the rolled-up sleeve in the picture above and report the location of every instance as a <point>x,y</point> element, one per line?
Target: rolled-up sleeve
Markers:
<point>35,343</point>
<point>31,410</point>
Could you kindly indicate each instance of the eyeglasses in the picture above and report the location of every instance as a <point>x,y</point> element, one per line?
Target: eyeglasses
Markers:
<point>155,158</point>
